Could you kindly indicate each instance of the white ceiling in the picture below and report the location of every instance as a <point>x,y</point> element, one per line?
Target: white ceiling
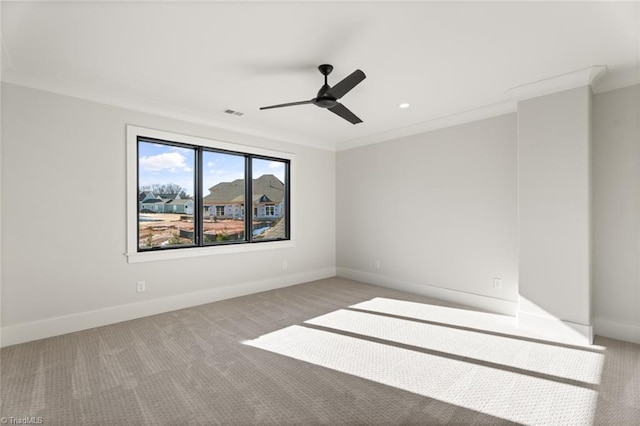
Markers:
<point>192,60</point>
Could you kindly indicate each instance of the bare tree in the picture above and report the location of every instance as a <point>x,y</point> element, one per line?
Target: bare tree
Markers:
<point>167,188</point>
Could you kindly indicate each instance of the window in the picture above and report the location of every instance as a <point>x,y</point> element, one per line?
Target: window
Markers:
<point>268,189</point>
<point>194,192</point>
<point>165,171</point>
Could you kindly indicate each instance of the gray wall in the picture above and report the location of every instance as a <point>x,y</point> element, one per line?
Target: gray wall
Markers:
<point>554,232</point>
<point>616,207</point>
<point>440,209</point>
<point>437,209</point>
<point>63,217</point>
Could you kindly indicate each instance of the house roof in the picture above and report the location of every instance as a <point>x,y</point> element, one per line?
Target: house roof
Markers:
<point>168,196</point>
<point>179,201</point>
<point>261,198</point>
<point>150,197</point>
<point>277,231</point>
<point>267,186</point>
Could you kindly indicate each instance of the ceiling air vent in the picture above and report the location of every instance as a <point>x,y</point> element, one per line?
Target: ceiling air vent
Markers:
<point>232,112</point>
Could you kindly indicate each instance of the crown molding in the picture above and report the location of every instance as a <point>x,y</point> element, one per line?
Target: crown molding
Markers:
<point>583,77</point>
<point>455,119</point>
<point>149,106</point>
<point>617,79</point>
<point>559,83</point>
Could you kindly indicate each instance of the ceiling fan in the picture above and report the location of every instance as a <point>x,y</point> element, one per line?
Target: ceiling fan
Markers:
<point>328,96</point>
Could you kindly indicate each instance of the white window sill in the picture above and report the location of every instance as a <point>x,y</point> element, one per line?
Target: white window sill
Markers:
<point>153,256</point>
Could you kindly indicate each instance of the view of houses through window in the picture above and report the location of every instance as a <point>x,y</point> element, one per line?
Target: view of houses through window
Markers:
<point>268,194</point>
<point>173,212</point>
<point>223,197</point>
<point>166,178</point>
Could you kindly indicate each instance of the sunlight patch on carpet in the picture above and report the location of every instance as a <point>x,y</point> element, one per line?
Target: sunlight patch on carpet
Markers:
<point>517,379</point>
<point>557,361</point>
<point>454,316</point>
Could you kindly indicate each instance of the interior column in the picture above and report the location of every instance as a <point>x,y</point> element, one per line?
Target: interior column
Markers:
<point>554,137</point>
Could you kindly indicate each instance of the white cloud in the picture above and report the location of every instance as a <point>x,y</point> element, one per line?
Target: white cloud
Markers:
<point>275,164</point>
<point>180,149</point>
<point>171,161</point>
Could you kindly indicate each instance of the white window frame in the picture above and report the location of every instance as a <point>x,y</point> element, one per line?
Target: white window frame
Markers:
<point>133,256</point>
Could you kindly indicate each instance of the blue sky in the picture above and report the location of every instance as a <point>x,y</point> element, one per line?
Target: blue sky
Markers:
<point>164,164</point>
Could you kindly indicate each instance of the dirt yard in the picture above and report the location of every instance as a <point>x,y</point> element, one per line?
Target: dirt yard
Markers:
<point>164,228</point>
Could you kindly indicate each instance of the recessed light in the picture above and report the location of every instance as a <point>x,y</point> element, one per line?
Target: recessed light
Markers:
<point>404,105</point>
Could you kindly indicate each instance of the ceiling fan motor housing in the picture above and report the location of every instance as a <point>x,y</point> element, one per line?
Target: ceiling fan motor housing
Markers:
<point>325,69</point>
<point>326,101</point>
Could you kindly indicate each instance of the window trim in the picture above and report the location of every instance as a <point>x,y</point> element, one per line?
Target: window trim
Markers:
<point>132,253</point>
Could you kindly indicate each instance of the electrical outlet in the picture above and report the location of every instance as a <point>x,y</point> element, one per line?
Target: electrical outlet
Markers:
<point>497,283</point>
<point>284,265</point>
<point>141,286</point>
<point>376,264</point>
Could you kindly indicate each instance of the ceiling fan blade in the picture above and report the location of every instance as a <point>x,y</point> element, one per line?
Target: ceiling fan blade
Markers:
<point>345,113</point>
<point>289,104</point>
<point>347,83</point>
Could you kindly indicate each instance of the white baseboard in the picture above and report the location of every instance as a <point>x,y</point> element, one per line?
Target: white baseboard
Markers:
<point>556,329</point>
<point>491,304</point>
<point>25,332</point>
<point>618,330</point>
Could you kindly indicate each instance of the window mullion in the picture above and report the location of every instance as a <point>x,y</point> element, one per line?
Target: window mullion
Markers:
<point>198,210</point>
<point>248,199</point>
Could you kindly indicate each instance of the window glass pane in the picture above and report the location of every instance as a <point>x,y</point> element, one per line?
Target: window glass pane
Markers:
<point>269,221</point>
<point>166,176</point>
<point>223,197</point>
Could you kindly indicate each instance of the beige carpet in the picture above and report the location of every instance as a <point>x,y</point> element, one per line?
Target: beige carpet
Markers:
<point>328,352</point>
